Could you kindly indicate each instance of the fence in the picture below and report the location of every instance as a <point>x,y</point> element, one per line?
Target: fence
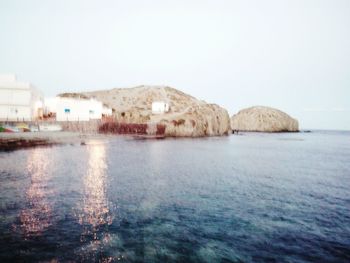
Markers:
<point>132,128</point>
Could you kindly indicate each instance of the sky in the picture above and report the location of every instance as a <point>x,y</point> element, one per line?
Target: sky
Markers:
<point>293,55</point>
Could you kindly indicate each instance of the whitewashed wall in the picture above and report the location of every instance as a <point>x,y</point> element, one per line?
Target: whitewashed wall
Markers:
<point>159,107</point>
<point>18,101</point>
<point>17,113</point>
<point>70,109</point>
<point>95,109</point>
<point>107,111</point>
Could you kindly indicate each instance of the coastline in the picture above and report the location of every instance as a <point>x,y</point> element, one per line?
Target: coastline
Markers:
<point>20,140</point>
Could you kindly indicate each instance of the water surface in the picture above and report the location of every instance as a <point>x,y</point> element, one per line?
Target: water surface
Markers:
<point>243,198</point>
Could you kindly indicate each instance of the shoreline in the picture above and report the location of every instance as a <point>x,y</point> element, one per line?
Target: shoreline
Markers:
<point>21,140</point>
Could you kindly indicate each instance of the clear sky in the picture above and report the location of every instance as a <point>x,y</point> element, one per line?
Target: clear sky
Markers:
<point>290,54</point>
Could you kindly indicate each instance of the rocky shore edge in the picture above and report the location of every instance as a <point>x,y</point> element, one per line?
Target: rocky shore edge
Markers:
<point>19,143</point>
<point>21,140</point>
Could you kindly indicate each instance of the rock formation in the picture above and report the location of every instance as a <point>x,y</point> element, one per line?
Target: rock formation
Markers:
<point>263,119</point>
<point>187,116</point>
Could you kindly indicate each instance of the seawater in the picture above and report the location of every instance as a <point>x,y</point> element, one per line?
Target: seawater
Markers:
<point>242,198</point>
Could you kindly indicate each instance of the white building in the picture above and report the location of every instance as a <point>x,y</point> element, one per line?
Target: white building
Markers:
<point>19,101</point>
<point>106,111</point>
<point>160,107</point>
<point>76,109</point>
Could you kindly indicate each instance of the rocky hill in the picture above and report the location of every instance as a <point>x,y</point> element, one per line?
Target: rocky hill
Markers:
<point>187,116</point>
<point>263,119</point>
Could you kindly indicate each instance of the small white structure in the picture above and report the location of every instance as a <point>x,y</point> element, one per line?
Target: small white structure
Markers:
<point>76,109</point>
<point>106,111</point>
<point>19,101</point>
<point>160,107</point>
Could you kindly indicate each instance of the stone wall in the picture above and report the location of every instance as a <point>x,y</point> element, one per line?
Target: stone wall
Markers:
<point>91,126</point>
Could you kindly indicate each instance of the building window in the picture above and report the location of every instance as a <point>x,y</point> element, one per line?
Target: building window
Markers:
<point>91,112</point>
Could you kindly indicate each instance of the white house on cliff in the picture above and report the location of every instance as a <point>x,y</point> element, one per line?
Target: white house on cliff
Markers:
<point>160,107</point>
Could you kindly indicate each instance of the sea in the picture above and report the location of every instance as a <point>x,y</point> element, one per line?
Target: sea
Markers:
<point>251,197</point>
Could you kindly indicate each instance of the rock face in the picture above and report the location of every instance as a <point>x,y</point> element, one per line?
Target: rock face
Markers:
<point>187,116</point>
<point>263,119</point>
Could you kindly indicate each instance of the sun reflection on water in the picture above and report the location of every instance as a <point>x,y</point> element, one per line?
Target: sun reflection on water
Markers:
<point>36,217</point>
<point>95,209</point>
<point>95,212</point>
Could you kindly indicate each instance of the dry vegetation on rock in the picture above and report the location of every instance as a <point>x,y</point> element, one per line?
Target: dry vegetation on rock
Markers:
<point>187,117</point>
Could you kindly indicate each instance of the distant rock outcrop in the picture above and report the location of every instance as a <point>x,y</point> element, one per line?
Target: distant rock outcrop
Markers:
<point>187,116</point>
<point>263,119</point>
